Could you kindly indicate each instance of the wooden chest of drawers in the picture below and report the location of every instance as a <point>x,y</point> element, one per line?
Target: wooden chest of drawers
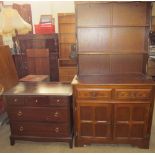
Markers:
<point>40,112</point>
<point>118,112</point>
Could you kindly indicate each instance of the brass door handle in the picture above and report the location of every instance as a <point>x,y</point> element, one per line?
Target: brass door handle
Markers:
<point>56,130</point>
<point>19,113</point>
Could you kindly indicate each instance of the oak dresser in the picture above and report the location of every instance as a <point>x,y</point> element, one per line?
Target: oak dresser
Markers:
<point>113,97</point>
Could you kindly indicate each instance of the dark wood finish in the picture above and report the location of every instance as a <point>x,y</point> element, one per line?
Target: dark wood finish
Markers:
<point>37,41</point>
<point>113,98</point>
<point>34,78</point>
<point>113,109</point>
<point>38,61</point>
<point>40,112</point>
<point>110,36</point>
<point>67,37</point>
<point>8,74</point>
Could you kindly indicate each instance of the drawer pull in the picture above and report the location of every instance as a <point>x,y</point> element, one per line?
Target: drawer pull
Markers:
<point>36,101</point>
<point>21,128</point>
<point>19,113</point>
<point>56,130</point>
<point>15,100</point>
<point>48,118</point>
<point>56,114</point>
<point>58,100</point>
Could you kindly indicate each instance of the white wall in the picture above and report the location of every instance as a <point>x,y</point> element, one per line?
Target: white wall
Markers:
<point>47,7</point>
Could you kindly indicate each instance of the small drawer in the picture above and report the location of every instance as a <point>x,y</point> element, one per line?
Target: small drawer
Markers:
<point>139,94</point>
<point>15,100</point>
<point>59,101</point>
<point>40,129</point>
<point>37,100</point>
<point>38,114</point>
<point>94,93</point>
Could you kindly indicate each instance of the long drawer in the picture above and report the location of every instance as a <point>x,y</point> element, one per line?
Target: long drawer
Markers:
<point>37,101</point>
<point>83,93</point>
<point>138,94</point>
<point>39,114</point>
<point>39,129</point>
<point>114,93</point>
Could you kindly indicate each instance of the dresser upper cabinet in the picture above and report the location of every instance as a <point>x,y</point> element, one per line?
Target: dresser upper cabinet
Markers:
<point>112,37</point>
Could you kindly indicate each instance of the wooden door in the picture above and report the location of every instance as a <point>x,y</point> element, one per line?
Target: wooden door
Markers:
<point>38,61</point>
<point>95,121</point>
<point>130,121</point>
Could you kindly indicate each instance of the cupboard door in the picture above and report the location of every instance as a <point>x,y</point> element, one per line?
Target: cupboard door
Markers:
<point>130,121</point>
<point>95,121</point>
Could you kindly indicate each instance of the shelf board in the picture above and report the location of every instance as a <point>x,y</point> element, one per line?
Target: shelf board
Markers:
<point>110,26</point>
<point>106,52</point>
<point>67,23</point>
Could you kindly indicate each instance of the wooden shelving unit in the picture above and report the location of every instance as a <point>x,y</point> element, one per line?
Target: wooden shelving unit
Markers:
<point>67,37</point>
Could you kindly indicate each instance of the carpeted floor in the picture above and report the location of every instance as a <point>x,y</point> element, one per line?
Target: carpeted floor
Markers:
<point>26,146</point>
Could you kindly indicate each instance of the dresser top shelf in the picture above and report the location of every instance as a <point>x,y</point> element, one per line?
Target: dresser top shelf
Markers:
<point>116,79</point>
<point>41,88</point>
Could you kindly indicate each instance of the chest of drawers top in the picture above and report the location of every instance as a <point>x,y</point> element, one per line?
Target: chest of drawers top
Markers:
<point>41,88</point>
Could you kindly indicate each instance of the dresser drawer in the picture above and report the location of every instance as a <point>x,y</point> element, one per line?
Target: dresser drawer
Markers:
<point>37,100</point>
<point>94,93</point>
<point>59,101</point>
<point>38,114</point>
<point>15,100</point>
<point>139,94</point>
<point>39,129</point>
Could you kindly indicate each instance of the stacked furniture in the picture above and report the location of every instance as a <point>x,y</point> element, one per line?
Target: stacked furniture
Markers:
<point>113,98</point>
<point>67,67</point>
<point>40,112</point>
<point>36,41</point>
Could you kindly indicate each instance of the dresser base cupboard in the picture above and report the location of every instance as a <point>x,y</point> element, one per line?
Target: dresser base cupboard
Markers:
<point>113,110</point>
<point>40,112</point>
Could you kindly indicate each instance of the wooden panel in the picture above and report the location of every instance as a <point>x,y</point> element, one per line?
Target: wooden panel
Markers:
<point>65,50</point>
<point>94,14</point>
<point>66,28</point>
<point>94,39</point>
<point>98,124</point>
<point>66,18</point>
<point>94,64</point>
<point>124,11</point>
<point>1,41</point>
<point>8,73</point>
<point>131,39</point>
<point>126,63</point>
<point>86,129</point>
<point>131,121</point>
<point>67,38</point>
<point>66,74</point>
<point>38,61</point>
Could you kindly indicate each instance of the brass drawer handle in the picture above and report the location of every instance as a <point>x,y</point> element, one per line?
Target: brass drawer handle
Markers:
<point>21,128</point>
<point>58,100</point>
<point>36,101</point>
<point>19,113</point>
<point>93,94</point>
<point>56,114</point>
<point>15,100</point>
<point>56,130</point>
<point>48,118</point>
